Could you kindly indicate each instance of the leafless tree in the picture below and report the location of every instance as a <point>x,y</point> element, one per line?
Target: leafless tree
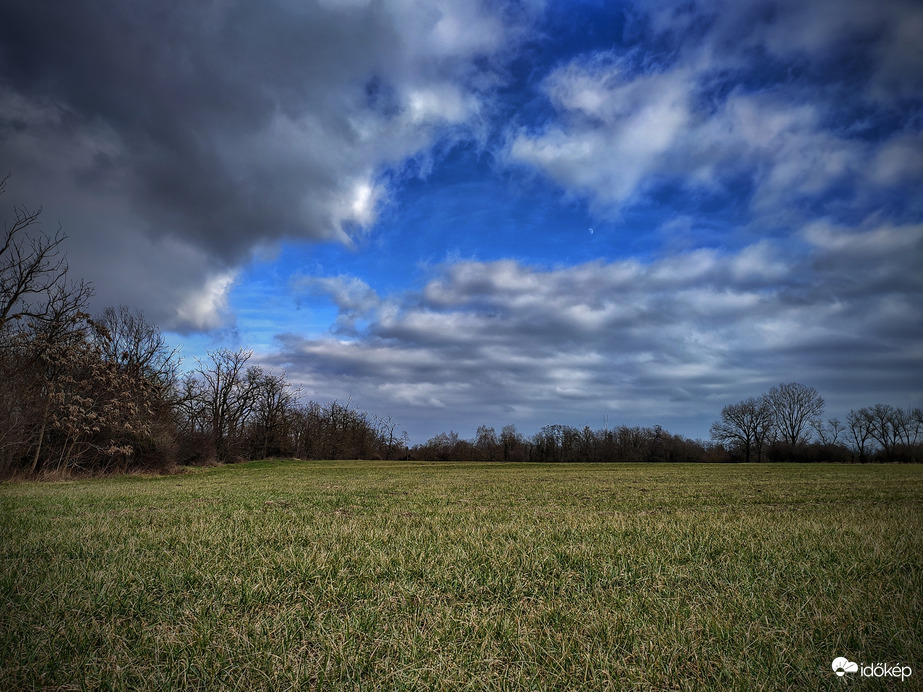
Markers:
<point>139,353</point>
<point>827,433</point>
<point>349,432</point>
<point>907,428</point>
<point>274,401</point>
<point>885,427</point>
<point>793,406</point>
<point>515,446</point>
<point>487,443</point>
<point>745,425</point>
<point>859,423</point>
<point>94,415</point>
<point>226,393</point>
<point>32,265</point>
<point>138,346</point>
<point>392,440</point>
<point>896,430</point>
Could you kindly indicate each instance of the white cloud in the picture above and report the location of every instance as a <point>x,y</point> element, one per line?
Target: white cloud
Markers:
<point>669,340</point>
<point>436,103</point>
<point>618,137</point>
<point>882,241</point>
<point>206,308</point>
<point>899,161</point>
<point>462,28</point>
<point>625,125</point>
<point>354,298</point>
<point>760,262</point>
<point>618,128</point>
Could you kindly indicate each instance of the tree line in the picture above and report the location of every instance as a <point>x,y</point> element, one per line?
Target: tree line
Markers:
<point>566,443</point>
<point>106,393</point>
<point>784,424</point>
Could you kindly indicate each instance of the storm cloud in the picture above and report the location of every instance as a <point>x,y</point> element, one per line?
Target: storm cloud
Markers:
<point>204,131</point>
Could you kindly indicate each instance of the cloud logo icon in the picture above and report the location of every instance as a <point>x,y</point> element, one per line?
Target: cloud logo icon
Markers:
<point>842,665</point>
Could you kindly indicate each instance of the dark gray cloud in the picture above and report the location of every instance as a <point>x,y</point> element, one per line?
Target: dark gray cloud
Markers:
<point>223,126</point>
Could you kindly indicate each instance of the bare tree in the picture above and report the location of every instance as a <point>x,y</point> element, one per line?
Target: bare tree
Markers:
<point>226,392</point>
<point>49,351</point>
<point>487,443</point>
<point>513,443</point>
<point>55,343</point>
<point>392,441</point>
<point>745,425</point>
<point>859,423</point>
<point>138,346</point>
<point>444,446</point>
<point>93,414</point>
<point>350,433</point>
<point>32,265</point>
<point>907,428</point>
<point>20,401</point>
<point>548,443</point>
<point>896,430</point>
<point>794,405</point>
<point>828,433</point>
<point>274,400</point>
<point>915,428</point>
<point>884,427</point>
<point>630,443</point>
<point>139,353</point>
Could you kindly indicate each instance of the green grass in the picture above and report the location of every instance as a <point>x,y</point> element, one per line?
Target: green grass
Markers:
<point>375,575</point>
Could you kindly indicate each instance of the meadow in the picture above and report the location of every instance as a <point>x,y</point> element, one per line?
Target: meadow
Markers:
<point>281,575</point>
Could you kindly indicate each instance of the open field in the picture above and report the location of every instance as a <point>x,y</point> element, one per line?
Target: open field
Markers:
<point>385,575</point>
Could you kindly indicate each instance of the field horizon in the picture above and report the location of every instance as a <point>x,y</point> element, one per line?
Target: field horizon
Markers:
<point>282,574</point>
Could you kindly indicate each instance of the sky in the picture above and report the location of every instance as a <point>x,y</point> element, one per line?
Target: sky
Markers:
<point>520,212</point>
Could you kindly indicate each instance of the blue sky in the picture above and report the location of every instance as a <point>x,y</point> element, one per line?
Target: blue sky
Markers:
<point>459,213</point>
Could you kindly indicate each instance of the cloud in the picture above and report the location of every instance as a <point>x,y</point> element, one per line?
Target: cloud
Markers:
<point>667,341</point>
<point>899,161</point>
<point>622,135</point>
<point>204,309</point>
<point>354,298</point>
<point>618,128</point>
<point>224,126</point>
<point>784,96</point>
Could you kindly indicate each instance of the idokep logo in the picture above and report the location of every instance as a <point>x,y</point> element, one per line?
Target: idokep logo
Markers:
<point>842,665</point>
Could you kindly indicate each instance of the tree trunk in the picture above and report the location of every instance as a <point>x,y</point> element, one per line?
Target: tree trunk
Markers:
<point>41,435</point>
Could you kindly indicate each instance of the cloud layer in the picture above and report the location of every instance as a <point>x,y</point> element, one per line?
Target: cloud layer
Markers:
<point>670,340</point>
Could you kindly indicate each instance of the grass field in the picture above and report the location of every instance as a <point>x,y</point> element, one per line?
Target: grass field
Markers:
<point>376,575</point>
